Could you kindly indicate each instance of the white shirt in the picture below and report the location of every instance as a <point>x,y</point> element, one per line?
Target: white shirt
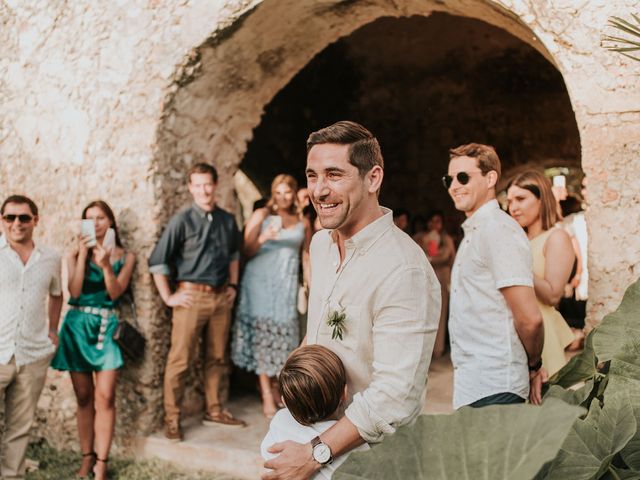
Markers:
<point>391,299</point>
<point>24,291</point>
<point>284,427</point>
<point>488,356</point>
<point>576,225</point>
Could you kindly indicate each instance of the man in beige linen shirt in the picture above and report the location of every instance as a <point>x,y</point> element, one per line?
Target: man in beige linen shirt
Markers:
<point>29,277</point>
<point>366,268</point>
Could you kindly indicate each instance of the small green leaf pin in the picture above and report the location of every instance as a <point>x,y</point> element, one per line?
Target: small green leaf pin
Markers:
<point>336,321</point>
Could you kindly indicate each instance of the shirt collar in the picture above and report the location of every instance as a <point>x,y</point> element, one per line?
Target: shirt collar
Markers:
<point>484,211</point>
<point>200,211</point>
<point>366,237</point>
<point>4,245</point>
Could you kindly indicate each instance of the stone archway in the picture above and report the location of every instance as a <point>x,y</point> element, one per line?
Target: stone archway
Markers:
<point>422,85</point>
<point>220,91</point>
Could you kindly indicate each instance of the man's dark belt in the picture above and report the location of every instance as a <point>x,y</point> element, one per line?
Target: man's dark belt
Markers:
<point>201,287</point>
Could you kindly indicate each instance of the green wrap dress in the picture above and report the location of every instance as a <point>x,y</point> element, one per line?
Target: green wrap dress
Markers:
<point>86,336</point>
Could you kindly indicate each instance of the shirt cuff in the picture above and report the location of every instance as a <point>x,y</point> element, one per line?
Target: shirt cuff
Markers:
<point>371,427</point>
<point>162,269</point>
<point>235,256</point>
<point>515,281</point>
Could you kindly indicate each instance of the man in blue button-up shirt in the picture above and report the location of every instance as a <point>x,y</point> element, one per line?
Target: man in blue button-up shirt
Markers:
<point>201,244</point>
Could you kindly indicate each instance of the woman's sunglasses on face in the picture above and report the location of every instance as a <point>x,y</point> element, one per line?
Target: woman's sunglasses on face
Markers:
<point>462,178</point>
<point>10,218</point>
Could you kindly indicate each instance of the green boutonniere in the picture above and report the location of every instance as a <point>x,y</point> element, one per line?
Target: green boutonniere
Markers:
<point>336,321</point>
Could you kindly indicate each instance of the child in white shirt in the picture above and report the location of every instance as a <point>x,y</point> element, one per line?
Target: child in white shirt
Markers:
<point>313,384</point>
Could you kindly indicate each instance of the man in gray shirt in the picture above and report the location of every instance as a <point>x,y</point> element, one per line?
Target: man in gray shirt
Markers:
<point>201,244</point>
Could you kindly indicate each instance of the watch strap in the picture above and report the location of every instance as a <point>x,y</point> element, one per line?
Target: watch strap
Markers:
<point>536,367</point>
<point>315,441</point>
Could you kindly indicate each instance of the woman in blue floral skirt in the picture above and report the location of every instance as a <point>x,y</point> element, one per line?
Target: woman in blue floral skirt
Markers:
<point>266,327</point>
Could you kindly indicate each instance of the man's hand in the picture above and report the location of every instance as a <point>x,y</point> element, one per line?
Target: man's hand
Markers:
<point>181,298</point>
<point>231,294</point>
<point>295,462</point>
<point>536,379</point>
<point>53,336</point>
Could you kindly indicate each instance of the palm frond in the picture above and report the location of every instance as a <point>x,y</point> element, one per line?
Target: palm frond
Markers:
<point>623,44</point>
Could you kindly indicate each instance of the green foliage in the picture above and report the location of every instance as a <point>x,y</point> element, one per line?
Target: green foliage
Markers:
<point>336,320</point>
<point>492,443</point>
<point>601,384</point>
<point>628,43</point>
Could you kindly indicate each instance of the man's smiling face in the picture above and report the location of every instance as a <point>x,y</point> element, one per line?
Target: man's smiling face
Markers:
<point>337,190</point>
<point>469,197</point>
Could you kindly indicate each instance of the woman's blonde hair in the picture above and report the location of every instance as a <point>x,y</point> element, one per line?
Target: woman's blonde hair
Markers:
<point>291,183</point>
<point>312,383</point>
<point>540,186</point>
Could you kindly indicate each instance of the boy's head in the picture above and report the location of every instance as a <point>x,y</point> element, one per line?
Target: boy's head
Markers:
<point>313,383</point>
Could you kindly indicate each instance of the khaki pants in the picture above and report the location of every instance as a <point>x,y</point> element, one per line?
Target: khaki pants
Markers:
<point>211,315</point>
<point>20,388</point>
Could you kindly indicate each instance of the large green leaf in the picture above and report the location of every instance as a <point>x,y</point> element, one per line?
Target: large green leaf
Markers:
<point>618,336</point>
<point>620,474</point>
<point>493,443</point>
<point>580,368</point>
<point>592,443</point>
<point>572,397</point>
<point>625,377</point>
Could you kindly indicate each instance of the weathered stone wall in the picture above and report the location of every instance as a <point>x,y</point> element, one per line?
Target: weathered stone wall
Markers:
<point>116,99</point>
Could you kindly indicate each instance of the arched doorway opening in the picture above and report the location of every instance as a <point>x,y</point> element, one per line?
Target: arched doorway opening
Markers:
<point>422,85</point>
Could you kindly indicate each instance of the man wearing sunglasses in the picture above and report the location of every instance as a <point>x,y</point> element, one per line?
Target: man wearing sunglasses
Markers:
<point>495,324</point>
<point>29,277</point>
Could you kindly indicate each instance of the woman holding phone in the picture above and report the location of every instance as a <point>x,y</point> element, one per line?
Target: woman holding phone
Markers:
<point>99,273</point>
<point>532,204</point>
<point>266,329</point>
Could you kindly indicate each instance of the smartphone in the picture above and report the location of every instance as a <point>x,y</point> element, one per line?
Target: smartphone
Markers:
<point>109,241</point>
<point>559,181</point>
<point>275,221</point>
<point>88,229</point>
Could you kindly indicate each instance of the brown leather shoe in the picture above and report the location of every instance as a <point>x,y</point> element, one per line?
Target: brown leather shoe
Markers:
<point>172,430</point>
<point>223,418</point>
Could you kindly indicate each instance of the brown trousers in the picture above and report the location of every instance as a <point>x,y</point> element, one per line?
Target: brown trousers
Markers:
<point>210,315</point>
<point>20,388</point>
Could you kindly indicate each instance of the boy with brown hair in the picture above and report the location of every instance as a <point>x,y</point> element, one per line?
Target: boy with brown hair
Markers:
<point>313,383</point>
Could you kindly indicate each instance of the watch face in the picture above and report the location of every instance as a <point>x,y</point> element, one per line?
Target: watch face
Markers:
<point>321,453</point>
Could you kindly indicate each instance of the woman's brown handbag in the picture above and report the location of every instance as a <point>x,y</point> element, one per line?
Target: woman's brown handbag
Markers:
<point>127,335</point>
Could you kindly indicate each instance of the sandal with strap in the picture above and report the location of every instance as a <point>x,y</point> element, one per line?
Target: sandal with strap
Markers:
<point>101,460</point>
<point>90,472</point>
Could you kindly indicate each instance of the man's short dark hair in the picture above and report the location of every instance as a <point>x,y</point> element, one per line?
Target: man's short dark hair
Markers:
<point>364,149</point>
<point>485,155</point>
<point>20,199</point>
<point>203,168</point>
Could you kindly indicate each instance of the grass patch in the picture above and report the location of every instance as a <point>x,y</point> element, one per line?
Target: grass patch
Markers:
<point>56,465</point>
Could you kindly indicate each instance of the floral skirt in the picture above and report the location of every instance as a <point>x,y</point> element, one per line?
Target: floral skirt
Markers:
<point>262,345</point>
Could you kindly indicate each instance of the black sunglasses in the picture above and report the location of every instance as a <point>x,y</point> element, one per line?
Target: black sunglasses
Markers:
<point>462,177</point>
<point>10,218</point>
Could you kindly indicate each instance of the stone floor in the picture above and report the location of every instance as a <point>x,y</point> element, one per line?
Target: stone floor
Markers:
<point>236,451</point>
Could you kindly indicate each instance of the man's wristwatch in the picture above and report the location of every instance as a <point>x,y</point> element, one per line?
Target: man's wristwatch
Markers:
<point>536,367</point>
<point>321,452</point>
<point>234,286</point>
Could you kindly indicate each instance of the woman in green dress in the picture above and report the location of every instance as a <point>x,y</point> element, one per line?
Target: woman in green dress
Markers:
<point>98,276</point>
